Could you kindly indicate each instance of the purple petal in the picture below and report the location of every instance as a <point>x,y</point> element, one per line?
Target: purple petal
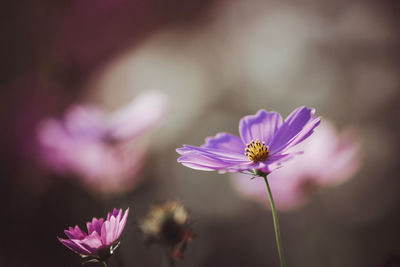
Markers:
<point>95,225</point>
<point>92,242</point>
<point>218,153</point>
<point>77,248</point>
<point>104,228</point>
<point>84,121</point>
<point>116,212</point>
<point>203,162</point>
<point>248,166</point>
<point>113,213</point>
<point>144,112</point>
<point>116,227</point>
<point>108,231</point>
<point>263,126</point>
<point>297,127</point>
<point>225,141</point>
<point>122,223</point>
<point>111,229</point>
<point>75,233</point>
<point>209,158</point>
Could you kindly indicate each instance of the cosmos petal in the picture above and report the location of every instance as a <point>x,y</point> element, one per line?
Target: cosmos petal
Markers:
<point>225,141</point>
<point>122,223</point>
<point>84,120</point>
<point>95,225</point>
<point>286,191</point>
<point>75,233</point>
<point>143,113</point>
<point>214,152</point>
<point>91,242</point>
<point>276,161</point>
<point>205,162</point>
<point>113,213</point>
<point>104,230</point>
<point>297,127</point>
<point>77,248</point>
<point>263,126</point>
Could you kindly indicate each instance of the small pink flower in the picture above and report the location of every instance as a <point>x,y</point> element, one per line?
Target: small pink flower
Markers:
<point>329,159</point>
<point>101,240</point>
<point>104,151</point>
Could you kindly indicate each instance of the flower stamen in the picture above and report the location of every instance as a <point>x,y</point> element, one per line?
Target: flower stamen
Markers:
<point>257,151</point>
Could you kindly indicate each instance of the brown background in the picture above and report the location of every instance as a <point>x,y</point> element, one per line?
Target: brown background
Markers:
<point>217,61</point>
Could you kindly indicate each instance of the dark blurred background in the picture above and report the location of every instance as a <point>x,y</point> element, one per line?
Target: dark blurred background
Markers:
<point>216,61</point>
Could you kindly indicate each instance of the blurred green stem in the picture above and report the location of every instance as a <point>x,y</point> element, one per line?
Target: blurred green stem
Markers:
<point>105,263</point>
<point>169,261</point>
<point>276,223</point>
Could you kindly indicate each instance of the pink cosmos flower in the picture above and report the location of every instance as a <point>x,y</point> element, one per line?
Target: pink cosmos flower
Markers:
<point>101,240</point>
<point>263,144</point>
<point>329,159</point>
<point>103,150</point>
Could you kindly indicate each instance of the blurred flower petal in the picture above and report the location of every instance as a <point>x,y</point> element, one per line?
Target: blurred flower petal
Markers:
<point>136,118</point>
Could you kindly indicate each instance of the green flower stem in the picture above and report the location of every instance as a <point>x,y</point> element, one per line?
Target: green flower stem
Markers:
<point>105,263</point>
<point>276,223</point>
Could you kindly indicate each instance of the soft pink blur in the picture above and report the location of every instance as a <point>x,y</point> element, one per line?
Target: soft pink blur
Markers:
<point>329,159</point>
<point>105,151</point>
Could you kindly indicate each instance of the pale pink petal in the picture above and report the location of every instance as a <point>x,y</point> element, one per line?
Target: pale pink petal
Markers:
<point>113,213</point>
<point>85,121</point>
<point>285,190</point>
<point>91,242</point>
<point>111,231</point>
<point>116,228</point>
<point>342,162</point>
<point>75,233</point>
<point>122,223</point>
<point>142,114</point>
<point>95,225</point>
<point>77,248</point>
<point>104,231</point>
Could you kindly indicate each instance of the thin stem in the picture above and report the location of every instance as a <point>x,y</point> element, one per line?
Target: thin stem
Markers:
<point>276,223</point>
<point>105,263</point>
<point>169,261</point>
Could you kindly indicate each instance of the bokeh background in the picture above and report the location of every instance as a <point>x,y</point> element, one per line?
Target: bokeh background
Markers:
<point>216,61</point>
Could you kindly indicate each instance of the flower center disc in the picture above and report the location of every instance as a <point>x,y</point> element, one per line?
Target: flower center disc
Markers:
<point>257,151</point>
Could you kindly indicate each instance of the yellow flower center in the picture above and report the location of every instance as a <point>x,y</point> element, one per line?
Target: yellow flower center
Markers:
<point>257,151</point>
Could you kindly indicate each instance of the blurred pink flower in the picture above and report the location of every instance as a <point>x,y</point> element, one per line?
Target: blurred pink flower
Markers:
<point>103,150</point>
<point>329,159</point>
